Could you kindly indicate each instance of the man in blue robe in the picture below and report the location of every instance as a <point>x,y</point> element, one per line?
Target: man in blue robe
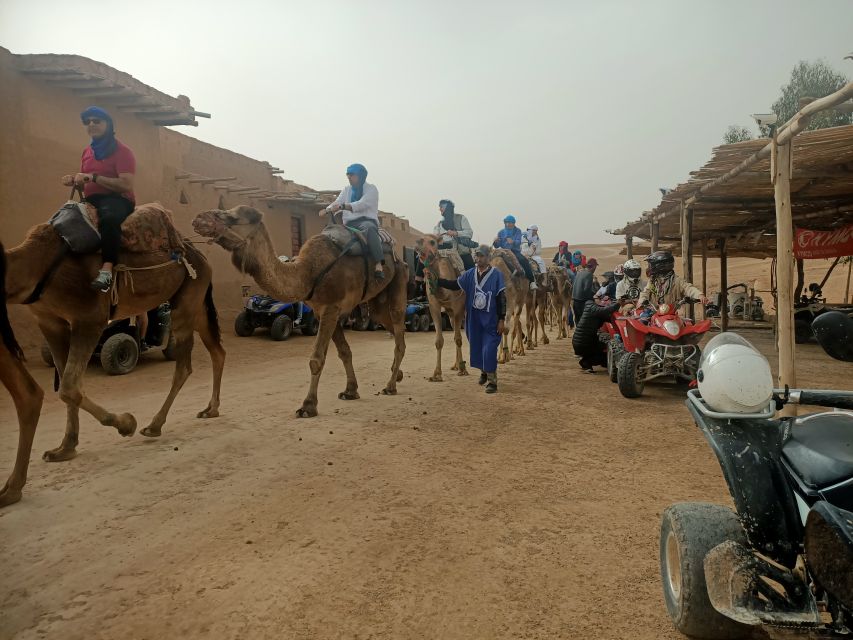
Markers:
<point>485,311</point>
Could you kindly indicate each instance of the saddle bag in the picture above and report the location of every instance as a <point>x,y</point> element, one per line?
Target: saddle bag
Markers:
<point>73,225</point>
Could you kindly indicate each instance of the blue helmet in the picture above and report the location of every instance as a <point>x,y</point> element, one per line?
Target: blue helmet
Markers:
<point>509,219</point>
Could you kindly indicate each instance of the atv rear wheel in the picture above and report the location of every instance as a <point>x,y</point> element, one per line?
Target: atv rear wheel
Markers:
<point>281,328</point>
<point>424,320</point>
<point>119,354</point>
<point>628,375</point>
<point>311,327</point>
<point>802,331</point>
<point>243,325</point>
<point>612,362</point>
<point>688,531</point>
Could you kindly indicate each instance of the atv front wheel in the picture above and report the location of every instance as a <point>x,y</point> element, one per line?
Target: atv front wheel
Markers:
<point>628,375</point>
<point>802,331</point>
<point>425,322</point>
<point>243,325</point>
<point>119,354</point>
<point>688,531</point>
<point>311,326</point>
<point>281,328</point>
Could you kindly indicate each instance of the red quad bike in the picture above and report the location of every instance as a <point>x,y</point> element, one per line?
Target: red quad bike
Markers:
<point>664,345</point>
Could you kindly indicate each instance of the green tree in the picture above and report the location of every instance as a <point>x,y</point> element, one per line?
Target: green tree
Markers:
<point>737,133</point>
<point>811,80</point>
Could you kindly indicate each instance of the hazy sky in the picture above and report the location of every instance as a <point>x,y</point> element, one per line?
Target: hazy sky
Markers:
<point>567,114</point>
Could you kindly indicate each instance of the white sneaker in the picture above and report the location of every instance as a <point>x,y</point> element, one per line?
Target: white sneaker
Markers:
<point>533,286</point>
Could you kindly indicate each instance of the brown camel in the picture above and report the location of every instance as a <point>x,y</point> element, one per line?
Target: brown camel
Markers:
<point>332,284</point>
<point>517,287</point>
<point>72,317</point>
<point>26,395</point>
<point>437,266</point>
<point>536,304</point>
<point>561,298</point>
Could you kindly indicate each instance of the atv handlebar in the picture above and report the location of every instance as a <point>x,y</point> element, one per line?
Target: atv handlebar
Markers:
<point>819,398</point>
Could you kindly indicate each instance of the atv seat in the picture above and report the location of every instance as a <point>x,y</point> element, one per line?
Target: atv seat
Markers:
<point>820,449</point>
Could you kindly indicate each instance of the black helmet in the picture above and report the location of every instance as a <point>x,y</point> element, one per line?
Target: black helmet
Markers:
<point>660,263</point>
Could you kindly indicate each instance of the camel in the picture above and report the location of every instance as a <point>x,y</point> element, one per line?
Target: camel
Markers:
<point>26,394</point>
<point>536,304</point>
<point>437,266</point>
<point>72,317</point>
<point>561,298</point>
<point>517,287</point>
<point>332,283</point>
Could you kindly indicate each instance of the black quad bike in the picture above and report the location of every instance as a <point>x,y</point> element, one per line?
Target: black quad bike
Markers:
<point>121,343</point>
<point>781,561</point>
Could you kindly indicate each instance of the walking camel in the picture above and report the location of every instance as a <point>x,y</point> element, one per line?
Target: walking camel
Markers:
<point>332,283</point>
<point>561,298</point>
<point>437,266</point>
<point>516,295</point>
<point>26,395</point>
<point>537,302</point>
<point>55,285</point>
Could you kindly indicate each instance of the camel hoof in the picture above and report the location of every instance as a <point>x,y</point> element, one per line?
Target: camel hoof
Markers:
<point>437,378</point>
<point>7,496</point>
<point>546,341</point>
<point>125,424</point>
<point>208,413</point>
<point>151,431</point>
<point>348,395</point>
<point>389,392</point>
<point>302,412</point>
<point>59,455</point>
<point>462,372</point>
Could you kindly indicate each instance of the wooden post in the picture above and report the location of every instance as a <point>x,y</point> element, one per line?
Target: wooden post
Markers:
<point>724,283</point>
<point>704,270</point>
<point>655,234</point>
<point>781,162</point>
<point>798,288</point>
<point>847,290</point>
<point>629,243</point>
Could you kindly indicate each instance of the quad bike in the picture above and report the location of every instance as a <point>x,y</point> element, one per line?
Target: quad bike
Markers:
<point>781,561</point>
<point>663,345</point>
<point>738,304</point>
<point>417,315</point>
<point>121,343</point>
<point>281,318</point>
<point>809,309</point>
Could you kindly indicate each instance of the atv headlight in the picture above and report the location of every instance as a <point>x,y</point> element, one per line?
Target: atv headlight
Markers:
<point>671,327</point>
<point>664,310</point>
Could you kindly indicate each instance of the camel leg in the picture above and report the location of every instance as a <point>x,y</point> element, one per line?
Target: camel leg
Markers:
<point>328,326</point>
<point>393,316</point>
<point>183,369</point>
<point>435,312</point>
<point>541,316</point>
<point>519,331</point>
<point>456,321</point>
<point>58,337</point>
<point>27,396</point>
<point>505,354</point>
<point>217,359</point>
<point>345,354</point>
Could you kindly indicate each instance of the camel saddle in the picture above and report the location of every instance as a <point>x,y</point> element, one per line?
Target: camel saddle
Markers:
<point>455,259</point>
<point>148,229</point>
<point>343,236</point>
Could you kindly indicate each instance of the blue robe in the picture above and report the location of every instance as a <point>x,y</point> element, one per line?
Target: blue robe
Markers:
<point>481,317</point>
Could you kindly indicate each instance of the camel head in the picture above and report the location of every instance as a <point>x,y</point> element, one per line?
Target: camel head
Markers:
<point>427,247</point>
<point>236,224</point>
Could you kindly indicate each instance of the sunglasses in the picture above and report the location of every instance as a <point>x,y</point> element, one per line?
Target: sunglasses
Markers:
<point>92,121</point>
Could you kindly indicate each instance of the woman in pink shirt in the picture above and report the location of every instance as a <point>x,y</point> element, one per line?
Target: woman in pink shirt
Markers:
<point>106,175</point>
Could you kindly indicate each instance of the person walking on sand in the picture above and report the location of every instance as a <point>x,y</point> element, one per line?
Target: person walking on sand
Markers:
<point>485,312</point>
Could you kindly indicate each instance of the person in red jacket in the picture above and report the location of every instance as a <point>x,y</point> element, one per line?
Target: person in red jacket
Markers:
<point>106,175</point>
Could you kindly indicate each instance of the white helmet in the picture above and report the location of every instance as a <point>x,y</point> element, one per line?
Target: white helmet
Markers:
<point>283,259</point>
<point>632,271</point>
<point>733,376</point>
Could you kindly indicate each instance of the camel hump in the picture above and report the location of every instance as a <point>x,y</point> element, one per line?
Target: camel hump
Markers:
<point>150,228</point>
<point>509,259</point>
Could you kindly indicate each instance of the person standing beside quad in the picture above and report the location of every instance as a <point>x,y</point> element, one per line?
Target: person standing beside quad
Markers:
<point>485,312</point>
<point>584,288</point>
<point>106,175</point>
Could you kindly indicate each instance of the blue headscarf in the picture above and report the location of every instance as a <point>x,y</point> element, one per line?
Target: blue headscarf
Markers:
<point>104,146</point>
<point>361,172</point>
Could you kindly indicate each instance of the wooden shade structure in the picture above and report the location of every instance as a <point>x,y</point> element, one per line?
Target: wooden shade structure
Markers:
<point>747,199</point>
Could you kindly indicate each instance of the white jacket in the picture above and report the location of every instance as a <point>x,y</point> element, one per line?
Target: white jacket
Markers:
<point>367,207</point>
<point>463,228</point>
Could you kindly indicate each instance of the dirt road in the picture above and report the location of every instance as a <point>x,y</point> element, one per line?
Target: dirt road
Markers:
<point>438,513</point>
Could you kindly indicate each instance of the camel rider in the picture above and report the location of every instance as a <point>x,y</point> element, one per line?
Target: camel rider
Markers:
<point>510,238</point>
<point>664,286</point>
<point>534,249</point>
<point>455,232</point>
<point>359,202</point>
<point>106,175</point>
<point>578,261</point>
<point>485,311</point>
<point>630,286</point>
<point>563,257</point>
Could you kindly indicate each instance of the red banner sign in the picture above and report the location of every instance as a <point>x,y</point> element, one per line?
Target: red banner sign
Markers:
<point>823,244</point>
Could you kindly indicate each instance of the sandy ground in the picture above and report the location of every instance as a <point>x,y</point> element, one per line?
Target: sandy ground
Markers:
<point>438,513</point>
